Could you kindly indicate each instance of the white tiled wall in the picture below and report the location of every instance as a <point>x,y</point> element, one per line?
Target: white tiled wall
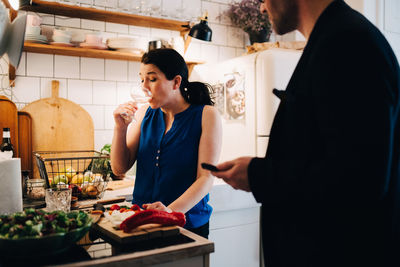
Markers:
<point>99,85</point>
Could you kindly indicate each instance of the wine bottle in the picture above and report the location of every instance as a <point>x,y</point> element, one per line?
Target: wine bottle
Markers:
<point>6,148</point>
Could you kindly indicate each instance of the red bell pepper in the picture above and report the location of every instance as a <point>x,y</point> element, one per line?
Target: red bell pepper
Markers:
<point>152,216</point>
<point>135,207</point>
<point>115,207</point>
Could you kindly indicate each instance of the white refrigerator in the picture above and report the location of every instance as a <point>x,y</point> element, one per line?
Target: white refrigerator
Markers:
<point>243,94</point>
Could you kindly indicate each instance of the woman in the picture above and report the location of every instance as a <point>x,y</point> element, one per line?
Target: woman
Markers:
<point>169,138</point>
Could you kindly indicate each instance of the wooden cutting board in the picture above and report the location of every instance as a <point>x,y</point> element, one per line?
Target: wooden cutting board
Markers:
<point>141,233</point>
<point>9,119</point>
<point>59,125</point>
<point>25,141</point>
<point>120,184</point>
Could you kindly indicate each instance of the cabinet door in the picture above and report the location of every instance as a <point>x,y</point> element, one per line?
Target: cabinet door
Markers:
<point>236,246</point>
<point>262,144</point>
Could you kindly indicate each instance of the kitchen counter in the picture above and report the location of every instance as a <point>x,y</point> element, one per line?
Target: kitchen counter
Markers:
<point>222,197</point>
<point>234,225</point>
<point>234,233</point>
<point>194,253</point>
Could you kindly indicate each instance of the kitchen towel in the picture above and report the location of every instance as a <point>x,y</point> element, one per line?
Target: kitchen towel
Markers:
<point>10,186</point>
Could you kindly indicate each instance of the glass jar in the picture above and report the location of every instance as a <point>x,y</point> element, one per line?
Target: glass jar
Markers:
<point>35,189</point>
<point>25,178</point>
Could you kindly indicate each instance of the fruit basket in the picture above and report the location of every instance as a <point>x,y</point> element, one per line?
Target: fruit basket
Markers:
<point>86,172</point>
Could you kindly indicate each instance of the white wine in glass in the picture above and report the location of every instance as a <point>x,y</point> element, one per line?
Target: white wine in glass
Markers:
<point>140,96</point>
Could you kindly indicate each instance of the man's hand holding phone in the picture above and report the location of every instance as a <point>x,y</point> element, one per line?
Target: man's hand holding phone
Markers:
<point>209,167</point>
<point>233,172</point>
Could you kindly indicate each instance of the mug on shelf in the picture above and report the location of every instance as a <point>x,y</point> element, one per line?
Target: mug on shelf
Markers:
<point>93,39</point>
<point>33,20</point>
<point>61,36</point>
<point>33,30</point>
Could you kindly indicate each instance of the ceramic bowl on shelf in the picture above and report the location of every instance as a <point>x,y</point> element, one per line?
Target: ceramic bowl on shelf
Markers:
<point>61,38</point>
<point>33,30</point>
<point>127,44</point>
<point>100,46</point>
<point>39,39</point>
<point>93,39</point>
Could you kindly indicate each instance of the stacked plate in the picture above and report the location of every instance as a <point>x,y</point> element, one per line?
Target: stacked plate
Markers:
<point>39,39</point>
<point>126,44</point>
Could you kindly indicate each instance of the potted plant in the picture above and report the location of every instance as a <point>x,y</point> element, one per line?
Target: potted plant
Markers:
<point>103,165</point>
<point>247,16</point>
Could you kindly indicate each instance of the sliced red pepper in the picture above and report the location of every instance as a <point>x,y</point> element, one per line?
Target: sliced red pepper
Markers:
<point>152,216</point>
<point>135,207</point>
<point>115,207</point>
<point>122,210</point>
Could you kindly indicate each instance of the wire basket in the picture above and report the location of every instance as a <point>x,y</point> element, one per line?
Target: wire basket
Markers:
<point>86,172</point>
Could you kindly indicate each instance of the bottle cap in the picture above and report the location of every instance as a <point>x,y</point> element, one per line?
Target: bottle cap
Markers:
<point>6,129</point>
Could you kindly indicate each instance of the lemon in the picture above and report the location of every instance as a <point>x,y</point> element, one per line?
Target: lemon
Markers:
<point>77,179</point>
<point>80,178</point>
<point>74,180</point>
<point>69,172</point>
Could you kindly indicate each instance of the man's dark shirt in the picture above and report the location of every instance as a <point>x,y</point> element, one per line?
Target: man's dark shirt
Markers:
<point>330,182</point>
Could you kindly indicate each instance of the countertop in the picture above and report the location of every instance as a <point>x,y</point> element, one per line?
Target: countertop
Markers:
<point>222,196</point>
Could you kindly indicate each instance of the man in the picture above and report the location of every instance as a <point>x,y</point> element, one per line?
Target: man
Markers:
<point>330,181</point>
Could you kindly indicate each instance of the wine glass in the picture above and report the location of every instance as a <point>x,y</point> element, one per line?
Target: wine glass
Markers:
<point>140,96</point>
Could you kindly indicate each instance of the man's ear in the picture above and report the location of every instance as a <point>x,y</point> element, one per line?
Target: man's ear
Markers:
<point>177,81</point>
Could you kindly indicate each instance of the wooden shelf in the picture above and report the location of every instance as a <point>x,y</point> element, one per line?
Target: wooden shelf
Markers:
<point>85,52</point>
<point>108,16</point>
<point>102,15</point>
<point>79,52</point>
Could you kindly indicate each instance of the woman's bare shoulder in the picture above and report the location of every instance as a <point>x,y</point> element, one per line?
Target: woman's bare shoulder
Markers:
<point>210,113</point>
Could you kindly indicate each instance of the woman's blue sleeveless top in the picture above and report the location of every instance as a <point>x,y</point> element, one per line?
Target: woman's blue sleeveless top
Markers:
<point>167,164</point>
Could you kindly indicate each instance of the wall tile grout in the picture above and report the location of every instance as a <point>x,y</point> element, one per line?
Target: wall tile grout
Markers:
<point>78,82</point>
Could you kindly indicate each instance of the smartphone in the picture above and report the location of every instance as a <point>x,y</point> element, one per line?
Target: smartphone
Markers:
<point>209,167</point>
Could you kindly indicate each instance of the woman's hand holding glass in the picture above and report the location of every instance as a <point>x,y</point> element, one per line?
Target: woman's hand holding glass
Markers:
<point>125,113</point>
<point>127,110</point>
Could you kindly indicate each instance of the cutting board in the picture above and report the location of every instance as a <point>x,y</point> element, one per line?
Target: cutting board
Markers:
<point>139,234</point>
<point>25,141</point>
<point>120,184</point>
<point>59,125</point>
<point>9,119</point>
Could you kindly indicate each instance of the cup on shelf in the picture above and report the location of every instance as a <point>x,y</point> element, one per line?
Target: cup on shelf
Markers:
<point>61,32</point>
<point>32,30</point>
<point>47,31</point>
<point>93,39</point>
<point>33,20</point>
<point>77,36</point>
<point>61,36</point>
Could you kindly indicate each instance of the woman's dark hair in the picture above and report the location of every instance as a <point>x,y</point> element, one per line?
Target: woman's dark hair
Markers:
<point>171,63</point>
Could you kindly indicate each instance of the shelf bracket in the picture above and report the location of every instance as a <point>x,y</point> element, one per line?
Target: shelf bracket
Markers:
<point>11,75</point>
